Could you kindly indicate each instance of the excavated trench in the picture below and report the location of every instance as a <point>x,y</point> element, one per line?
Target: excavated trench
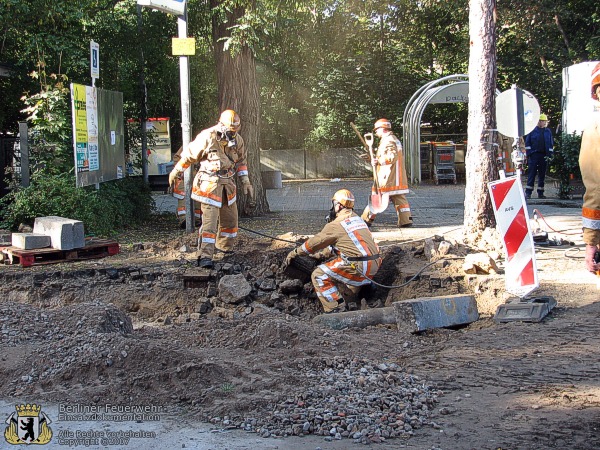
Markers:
<point>149,333</point>
<point>165,291</point>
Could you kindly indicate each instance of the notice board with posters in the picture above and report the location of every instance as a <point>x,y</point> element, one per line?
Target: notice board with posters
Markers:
<point>98,134</point>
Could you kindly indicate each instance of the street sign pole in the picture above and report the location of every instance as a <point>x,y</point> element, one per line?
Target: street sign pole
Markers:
<point>94,61</point>
<point>184,76</point>
<point>179,9</point>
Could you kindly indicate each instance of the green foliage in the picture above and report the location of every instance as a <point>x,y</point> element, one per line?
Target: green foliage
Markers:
<point>565,163</point>
<point>115,206</point>
<point>48,113</point>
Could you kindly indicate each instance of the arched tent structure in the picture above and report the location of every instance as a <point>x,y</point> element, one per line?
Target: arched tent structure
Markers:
<point>456,89</point>
<point>450,89</point>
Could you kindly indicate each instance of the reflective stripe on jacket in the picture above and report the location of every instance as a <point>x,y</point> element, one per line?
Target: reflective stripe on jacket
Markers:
<point>217,165</point>
<point>539,138</point>
<point>391,173</point>
<point>589,163</point>
<point>351,237</point>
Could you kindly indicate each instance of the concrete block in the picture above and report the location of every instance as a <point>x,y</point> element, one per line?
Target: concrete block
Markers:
<point>435,312</point>
<point>30,241</point>
<point>66,234</point>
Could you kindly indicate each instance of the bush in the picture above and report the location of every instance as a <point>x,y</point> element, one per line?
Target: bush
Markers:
<point>565,164</point>
<point>115,206</point>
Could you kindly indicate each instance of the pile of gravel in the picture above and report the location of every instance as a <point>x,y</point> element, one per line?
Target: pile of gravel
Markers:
<point>349,398</point>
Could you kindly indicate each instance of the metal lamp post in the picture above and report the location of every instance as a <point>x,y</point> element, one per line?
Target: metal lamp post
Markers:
<point>179,9</point>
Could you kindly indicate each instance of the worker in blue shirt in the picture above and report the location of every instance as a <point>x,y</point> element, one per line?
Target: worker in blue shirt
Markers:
<point>539,147</point>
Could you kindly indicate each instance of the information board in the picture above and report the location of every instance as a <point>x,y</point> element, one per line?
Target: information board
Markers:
<point>98,138</point>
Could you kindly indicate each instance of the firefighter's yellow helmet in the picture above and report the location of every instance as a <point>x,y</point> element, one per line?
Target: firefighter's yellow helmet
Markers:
<point>382,123</point>
<point>230,120</point>
<point>344,197</point>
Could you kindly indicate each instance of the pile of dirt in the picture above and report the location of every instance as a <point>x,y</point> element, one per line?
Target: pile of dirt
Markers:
<point>125,329</point>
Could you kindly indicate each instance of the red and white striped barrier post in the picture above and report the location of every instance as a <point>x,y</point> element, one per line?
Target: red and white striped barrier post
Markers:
<point>512,221</point>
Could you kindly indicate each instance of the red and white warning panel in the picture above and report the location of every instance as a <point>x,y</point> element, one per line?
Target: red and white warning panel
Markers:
<point>512,222</point>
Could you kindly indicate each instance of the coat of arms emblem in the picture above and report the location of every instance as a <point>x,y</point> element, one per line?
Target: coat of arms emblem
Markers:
<point>28,425</point>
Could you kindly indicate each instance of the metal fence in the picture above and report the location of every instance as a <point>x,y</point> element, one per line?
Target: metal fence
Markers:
<point>305,164</point>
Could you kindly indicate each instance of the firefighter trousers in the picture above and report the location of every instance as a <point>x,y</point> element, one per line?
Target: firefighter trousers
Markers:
<point>181,210</point>
<point>326,288</point>
<point>219,228</point>
<point>402,210</point>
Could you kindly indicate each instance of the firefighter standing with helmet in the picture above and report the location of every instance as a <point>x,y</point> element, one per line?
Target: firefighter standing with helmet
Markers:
<point>355,253</point>
<point>589,163</point>
<point>221,154</point>
<point>388,164</point>
<point>539,146</point>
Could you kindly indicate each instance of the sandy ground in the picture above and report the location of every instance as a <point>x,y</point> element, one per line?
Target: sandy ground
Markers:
<point>502,386</point>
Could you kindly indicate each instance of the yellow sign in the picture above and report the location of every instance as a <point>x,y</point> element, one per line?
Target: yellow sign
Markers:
<point>184,46</point>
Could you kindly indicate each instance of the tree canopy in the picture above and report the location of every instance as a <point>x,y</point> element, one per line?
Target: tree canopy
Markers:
<point>319,64</point>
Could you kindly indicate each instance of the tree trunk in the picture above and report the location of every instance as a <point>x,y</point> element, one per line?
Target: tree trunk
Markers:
<point>480,161</point>
<point>238,90</point>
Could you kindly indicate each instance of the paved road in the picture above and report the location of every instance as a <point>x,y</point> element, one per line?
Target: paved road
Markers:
<point>436,209</point>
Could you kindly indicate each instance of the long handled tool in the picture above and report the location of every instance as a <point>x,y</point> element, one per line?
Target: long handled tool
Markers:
<point>378,201</point>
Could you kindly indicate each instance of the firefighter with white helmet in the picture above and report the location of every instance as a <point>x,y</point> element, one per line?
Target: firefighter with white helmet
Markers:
<point>388,164</point>
<point>589,163</point>
<point>221,155</point>
<point>355,255</point>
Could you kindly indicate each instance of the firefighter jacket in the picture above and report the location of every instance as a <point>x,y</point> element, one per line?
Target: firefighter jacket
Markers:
<point>356,253</point>
<point>589,163</point>
<point>218,164</point>
<point>391,173</point>
<point>539,141</point>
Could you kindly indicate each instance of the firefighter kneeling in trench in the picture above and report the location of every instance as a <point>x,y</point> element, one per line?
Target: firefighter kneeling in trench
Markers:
<point>355,253</point>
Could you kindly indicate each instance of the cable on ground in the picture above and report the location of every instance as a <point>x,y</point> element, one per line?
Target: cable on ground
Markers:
<point>414,276</point>
<point>535,211</point>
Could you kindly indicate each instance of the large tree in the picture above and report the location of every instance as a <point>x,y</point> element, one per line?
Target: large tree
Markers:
<point>238,90</point>
<point>480,159</point>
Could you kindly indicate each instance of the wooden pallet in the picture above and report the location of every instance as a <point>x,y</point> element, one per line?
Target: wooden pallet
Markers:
<point>97,248</point>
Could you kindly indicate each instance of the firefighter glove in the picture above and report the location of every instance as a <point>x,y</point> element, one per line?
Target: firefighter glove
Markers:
<point>173,177</point>
<point>290,256</point>
<point>592,258</point>
<point>249,190</point>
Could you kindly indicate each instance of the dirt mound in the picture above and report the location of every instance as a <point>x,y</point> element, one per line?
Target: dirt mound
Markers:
<point>126,330</point>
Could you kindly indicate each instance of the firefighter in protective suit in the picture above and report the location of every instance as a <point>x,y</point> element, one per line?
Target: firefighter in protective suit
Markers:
<point>221,155</point>
<point>179,194</point>
<point>388,164</point>
<point>589,163</point>
<point>355,253</point>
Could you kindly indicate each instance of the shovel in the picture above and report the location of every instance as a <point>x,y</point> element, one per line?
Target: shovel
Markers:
<point>378,202</point>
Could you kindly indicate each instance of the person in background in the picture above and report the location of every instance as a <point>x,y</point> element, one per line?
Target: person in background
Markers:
<point>179,194</point>
<point>539,147</point>
<point>355,253</point>
<point>388,164</point>
<point>221,155</point>
<point>589,163</point>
